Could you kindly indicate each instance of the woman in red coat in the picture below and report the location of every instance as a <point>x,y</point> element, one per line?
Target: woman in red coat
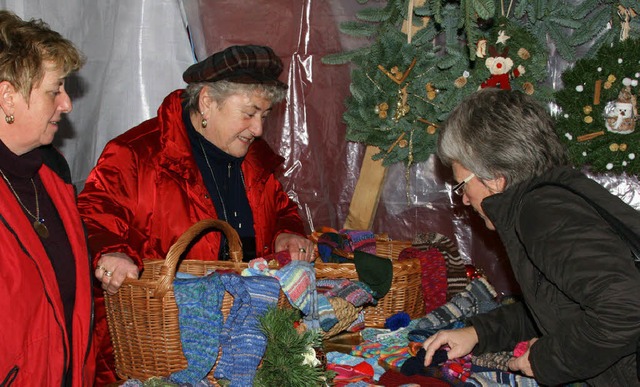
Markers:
<point>45,281</point>
<point>201,157</point>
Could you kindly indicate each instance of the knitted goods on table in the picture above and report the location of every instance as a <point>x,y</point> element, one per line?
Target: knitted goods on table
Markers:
<point>433,275</point>
<point>478,297</point>
<point>346,359</point>
<point>242,341</point>
<point>456,271</point>
<point>199,302</point>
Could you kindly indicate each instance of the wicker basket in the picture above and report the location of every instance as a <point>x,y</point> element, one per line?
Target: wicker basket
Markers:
<point>143,315</point>
<point>406,287</point>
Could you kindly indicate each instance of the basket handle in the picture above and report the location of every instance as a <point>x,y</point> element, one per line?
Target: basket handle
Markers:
<point>168,269</point>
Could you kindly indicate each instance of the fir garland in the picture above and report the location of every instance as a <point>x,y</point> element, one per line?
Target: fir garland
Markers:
<point>592,89</point>
<point>283,363</point>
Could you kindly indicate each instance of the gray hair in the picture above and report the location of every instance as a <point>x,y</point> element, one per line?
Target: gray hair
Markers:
<point>501,133</point>
<point>221,90</point>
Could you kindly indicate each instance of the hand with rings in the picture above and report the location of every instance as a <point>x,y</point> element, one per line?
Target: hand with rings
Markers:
<point>113,268</point>
<point>106,272</point>
<point>300,248</point>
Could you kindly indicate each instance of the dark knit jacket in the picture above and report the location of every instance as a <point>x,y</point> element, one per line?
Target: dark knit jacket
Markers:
<point>579,283</point>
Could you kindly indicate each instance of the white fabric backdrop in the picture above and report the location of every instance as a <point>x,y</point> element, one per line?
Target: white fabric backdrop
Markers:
<point>136,52</point>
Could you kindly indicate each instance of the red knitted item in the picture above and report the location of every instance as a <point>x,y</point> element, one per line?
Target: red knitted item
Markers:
<point>395,379</point>
<point>520,348</point>
<point>433,275</point>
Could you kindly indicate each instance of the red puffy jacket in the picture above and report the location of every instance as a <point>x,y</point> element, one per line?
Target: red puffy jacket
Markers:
<point>146,190</point>
<point>33,336</point>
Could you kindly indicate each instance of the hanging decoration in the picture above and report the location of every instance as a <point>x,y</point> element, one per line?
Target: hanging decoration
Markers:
<point>599,109</point>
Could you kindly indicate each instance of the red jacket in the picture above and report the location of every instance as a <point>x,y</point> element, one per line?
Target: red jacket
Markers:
<point>33,335</point>
<point>146,190</point>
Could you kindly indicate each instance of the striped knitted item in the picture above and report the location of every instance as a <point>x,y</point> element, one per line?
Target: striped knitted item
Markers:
<point>456,272</point>
<point>327,315</point>
<point>361,240</point>
<point>481,376</point>
<point>433,275</point>
<point>298,283</point>
<point>298,280</point>
<point>199,301</point>
<point>356,292</point>
<point>457,369</point>
<point>244,342</point>
<point>495,360</point>
<point>478,297</point>
<point>358,324</point>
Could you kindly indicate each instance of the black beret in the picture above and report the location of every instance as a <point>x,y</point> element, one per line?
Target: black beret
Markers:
<point>240,64</point>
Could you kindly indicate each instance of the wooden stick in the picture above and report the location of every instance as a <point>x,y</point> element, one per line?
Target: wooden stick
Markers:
<point>427,122</point>
<point>590,136</point>
<point>406,73</point>
<point>395,143</point>
<point>596,93</point>
<point>387,73</point>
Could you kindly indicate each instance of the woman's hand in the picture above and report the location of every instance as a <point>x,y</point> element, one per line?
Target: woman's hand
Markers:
<point>300,248</point>
<point>460,341</point>
<point>113,268</point>
<point>522,363</point>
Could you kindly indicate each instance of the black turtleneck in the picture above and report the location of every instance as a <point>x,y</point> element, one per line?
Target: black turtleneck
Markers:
<point>19,170</point>
<point>222,175</point>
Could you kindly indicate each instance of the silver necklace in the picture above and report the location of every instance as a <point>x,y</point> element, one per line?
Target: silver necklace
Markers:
<point>38,223</point>
<point>215,182</point>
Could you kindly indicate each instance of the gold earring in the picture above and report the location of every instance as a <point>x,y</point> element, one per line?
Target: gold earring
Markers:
<point>10,119</point>
<point>204,121</point>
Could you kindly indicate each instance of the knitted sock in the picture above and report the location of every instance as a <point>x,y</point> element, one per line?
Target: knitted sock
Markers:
<point>327,315</point>
<point>199,302</point>
<point>477,298</point>
<point>433,276</point>
<point>234,284</point>
<point>355,292</point>
<point>456,271</point>
<point>298,280</point>
<point>361,240</point>
<point>248,342</point>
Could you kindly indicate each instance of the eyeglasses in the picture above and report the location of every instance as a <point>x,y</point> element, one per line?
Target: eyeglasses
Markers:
<point>458,189</point>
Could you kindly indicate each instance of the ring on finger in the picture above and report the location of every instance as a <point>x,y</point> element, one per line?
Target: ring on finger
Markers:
<point>99,267</point>
<point>107,272</point>
<point>302,250</point>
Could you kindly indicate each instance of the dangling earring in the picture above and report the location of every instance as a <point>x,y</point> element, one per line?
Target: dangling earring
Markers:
<point>10,119</point>
<point>204,121</point>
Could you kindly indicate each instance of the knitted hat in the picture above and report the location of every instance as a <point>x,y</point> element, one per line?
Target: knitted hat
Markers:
<point>456,272</point>
<point>376,272</point>
<point>433,275</point>
<point>240,64</point>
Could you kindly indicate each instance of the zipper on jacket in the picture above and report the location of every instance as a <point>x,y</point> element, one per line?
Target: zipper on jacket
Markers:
<point>11,376</point>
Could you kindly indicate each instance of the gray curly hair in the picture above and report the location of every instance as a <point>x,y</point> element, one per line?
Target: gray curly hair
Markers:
<point>501,133</point>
